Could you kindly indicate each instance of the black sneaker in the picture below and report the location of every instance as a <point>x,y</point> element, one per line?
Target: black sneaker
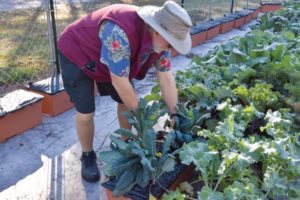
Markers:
<point>89,169</point>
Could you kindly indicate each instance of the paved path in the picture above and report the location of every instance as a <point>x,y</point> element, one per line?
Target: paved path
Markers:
<point>43,163</point>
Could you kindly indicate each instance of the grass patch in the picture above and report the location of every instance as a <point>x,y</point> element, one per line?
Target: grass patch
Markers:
<point>24,46</point>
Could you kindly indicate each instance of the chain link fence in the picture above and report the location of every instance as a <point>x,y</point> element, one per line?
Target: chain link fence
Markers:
<point>26,42</point>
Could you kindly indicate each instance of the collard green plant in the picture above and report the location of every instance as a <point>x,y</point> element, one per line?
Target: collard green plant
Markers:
<point>134,162</point>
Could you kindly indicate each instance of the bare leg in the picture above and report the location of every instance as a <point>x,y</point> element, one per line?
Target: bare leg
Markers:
<point>85,130</point>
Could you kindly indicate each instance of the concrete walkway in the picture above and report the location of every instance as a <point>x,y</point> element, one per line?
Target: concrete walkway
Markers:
<point>43,163</point>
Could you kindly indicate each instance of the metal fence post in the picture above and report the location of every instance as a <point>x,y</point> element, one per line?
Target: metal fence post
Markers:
<point>52,37</point>
<point>231,9</point>
<point>209,10</point>
<point>54,81</point>
<point>182,3</point>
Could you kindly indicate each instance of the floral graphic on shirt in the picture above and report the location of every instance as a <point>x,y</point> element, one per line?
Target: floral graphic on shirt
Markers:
<point>163,64</point>
<point>116,45</point>
<point>115,50</point>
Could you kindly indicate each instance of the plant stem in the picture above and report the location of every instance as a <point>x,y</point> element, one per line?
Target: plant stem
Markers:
<point>271,186</point>
<point>166,189</point>
<point>223,175</point>
<point>196,181</point>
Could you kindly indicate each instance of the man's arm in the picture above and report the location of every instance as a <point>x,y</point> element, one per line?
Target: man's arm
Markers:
<point>168,89</point>
<point>115,54</point>
<point>125,91</point>
<point>167,81</point>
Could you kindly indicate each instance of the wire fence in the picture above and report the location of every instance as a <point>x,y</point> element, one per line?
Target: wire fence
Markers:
<point>27,50</point>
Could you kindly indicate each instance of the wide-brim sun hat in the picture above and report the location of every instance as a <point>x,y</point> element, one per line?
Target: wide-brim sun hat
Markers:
<point>172,22</point>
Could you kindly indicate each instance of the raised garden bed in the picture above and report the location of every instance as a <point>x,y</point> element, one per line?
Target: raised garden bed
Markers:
<point>20,110</point>
<point>212,27</point>
<point>239,19</point>
<point>198,34</point>
<point>256,12</point>
<point>247,14</point>
<point>56,100</point>
<point>227,23</point>
<point>270,6</point>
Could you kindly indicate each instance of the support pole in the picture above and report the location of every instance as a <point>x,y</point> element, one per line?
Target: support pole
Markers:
<point>54,81</point>
<point>54,36</point>
<point>231,9</point>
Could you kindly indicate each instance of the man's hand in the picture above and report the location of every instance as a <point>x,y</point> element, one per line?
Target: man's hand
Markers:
<point>174,120</point>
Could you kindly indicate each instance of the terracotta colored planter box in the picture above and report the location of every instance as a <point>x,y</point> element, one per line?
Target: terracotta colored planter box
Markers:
<point>56,100</point>
<point>19,111</point>
<point>213,32</point>
<point>226,25</point>
<point>270,7</point>
<point>56,104</point>
<point>239,22</point>
<point>211,27</point>
<point>239,19</point>
<point>184,176</point>
<point>198,33</point>
<point>256,12</point>
<point>249,18</point>
<point>198,38</point>
<point>247,14</point>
